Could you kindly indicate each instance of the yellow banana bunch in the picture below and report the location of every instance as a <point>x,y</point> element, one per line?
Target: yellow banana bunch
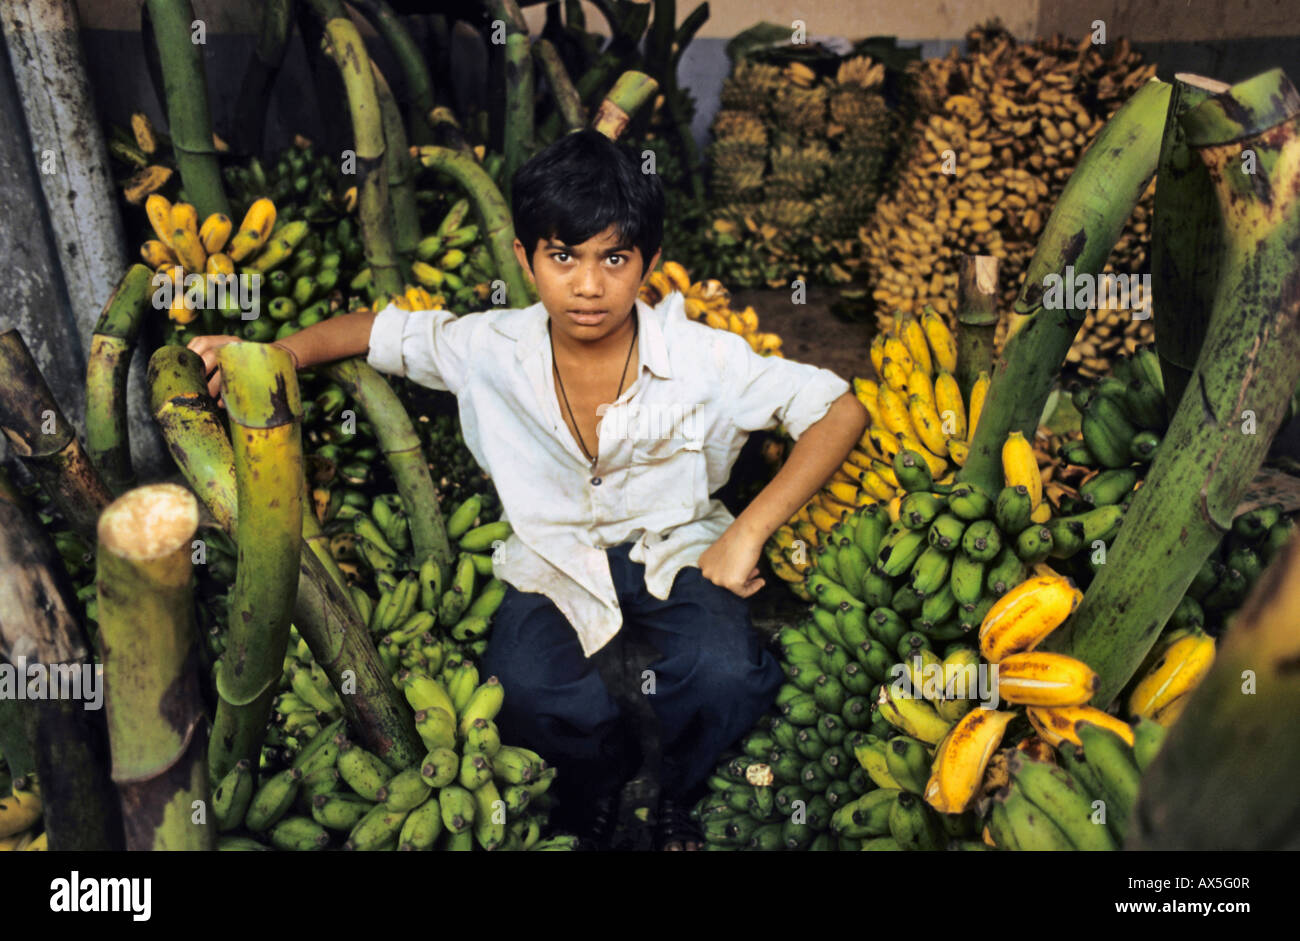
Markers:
<point>1177,672</point>
<point>962,757</point>
<point>1052,680</point>
<point>708,302</point>
<point>1020,619</point>
<point>1057,724</point>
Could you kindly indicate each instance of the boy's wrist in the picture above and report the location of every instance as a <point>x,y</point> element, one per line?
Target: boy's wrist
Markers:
<point>297,361</point>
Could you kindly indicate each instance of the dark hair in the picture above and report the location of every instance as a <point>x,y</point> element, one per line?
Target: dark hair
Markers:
<point>580,185</point>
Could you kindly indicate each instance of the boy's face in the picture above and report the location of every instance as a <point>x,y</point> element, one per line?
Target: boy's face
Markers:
<point>589,290</point>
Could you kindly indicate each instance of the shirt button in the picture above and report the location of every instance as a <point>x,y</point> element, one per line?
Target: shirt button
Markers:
<point>595,481</point>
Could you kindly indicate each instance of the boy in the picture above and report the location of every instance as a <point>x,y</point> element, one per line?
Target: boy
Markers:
<point>612,519</point>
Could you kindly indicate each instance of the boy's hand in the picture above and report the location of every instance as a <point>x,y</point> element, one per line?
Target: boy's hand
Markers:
<point>730,563</point>
<point>207,347</point>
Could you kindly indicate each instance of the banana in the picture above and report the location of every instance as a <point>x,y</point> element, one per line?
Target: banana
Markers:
<point>969,503</point>
<point>485,703</point>
<point>899,551</point>
<point>484,737</point>
<point>945,532</point>
<point>1020,619</point>
<point>254,230</point>
<point>298,834</point>
<point>867,816</point>
<point>870,754</point>
<point>458,809</point>
<point>515,765</point>
<point>1177,672</point>
<point>157,253</point>
<point>475,771</point>
<point>159,210</point>
<point>1148,736</point>
<point>1020,468</point>
<point>966,579</point>
<point>928,425</point>
<point>1111,757</point>
<point>919,509</point>
<point>978,392</point>
<point>942,342</point>
<point>231,798</point>
<point>272,800</point>
<point>915,717</point>
<point>437,728</point>
<point>908,762</point>
<point>1058,795</point>
<point>23,806</point>
<point>362,771</point>
<point>1044,679</point>
<point>1060,724</point>
<point>462,517</point>
<point>930,572</point>
<point>375,829</point>
<point>214,232</point>
<point>1013,510</point>
<point>480,538</point>
<point>950,407</point>
<point>1015,823</point>
<point>341,811</point>
<point>982,541</point>
<point>961,759</point>
<point>1034,544</point>
<point>422,826</point>
<point>912,334</point>
<point>897,364</point>
<point>914,825</point>
<point>1107,432</point>
<point>877,353</point>
<point>189,250</point>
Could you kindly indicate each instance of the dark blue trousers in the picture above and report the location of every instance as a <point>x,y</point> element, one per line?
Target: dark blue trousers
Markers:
<point>712,681</point>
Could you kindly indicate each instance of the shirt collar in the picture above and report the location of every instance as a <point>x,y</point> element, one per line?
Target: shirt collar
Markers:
<point>652,349</point>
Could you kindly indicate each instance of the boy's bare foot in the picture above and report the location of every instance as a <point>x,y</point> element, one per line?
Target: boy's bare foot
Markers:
<point>677,831</point>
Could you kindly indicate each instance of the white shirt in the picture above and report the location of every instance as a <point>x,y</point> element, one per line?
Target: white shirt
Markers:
<point>666,444</point>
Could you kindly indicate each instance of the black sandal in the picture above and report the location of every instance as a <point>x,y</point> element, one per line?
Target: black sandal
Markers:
<point>676,826</point>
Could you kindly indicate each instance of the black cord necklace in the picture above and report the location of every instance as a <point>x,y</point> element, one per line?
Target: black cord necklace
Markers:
<point>556,367</point>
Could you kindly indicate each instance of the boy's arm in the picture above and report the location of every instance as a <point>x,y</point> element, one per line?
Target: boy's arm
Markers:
<point>824,446</point>
<point>337,338</point>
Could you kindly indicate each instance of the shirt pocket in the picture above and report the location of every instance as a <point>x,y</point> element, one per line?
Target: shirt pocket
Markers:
<point>667,474</point>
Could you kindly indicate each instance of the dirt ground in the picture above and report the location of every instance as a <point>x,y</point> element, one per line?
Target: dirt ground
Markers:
<point>810,333</point>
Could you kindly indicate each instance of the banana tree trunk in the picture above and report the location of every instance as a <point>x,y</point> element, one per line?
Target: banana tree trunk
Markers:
<point>401,170</point>
<point>628,96</point>
<point>568,104</point>
<point>977,317</point>
<point>494,217</point>
<point>518,106</point>
<point>260,389</point>
<point>1083,228</point>
<point>189,119</point>
<point>323,613</point>
<point>63,738</point>
<point>157,725</point>
<point>1224,779</point>
<point>44,440</point>
<point>111,348</point>
<point>346,48</point>
<point>1186,243</point>
<point>415,70</point>
<point>1249,364</point>
<point>405,455</point>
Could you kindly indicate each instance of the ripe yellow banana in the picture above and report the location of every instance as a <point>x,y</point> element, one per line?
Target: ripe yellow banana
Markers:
<point>156,252</point>
<point>942,342</point>
<point>927,424</point>
<point>1169,713</point>
<point>1020,619</point>
<point>1039,678</point>
<point>948,403</point>
<point>913,336</point>
<point>876,487</point>
<point>215,232</point>
<point>189,250</point>
<point>958,451</point>
<point>977,393</point>
<point>1179,670</point>
<point>920,383</point>
<point>185,216</point>
<point>254,230</point>
<point>159,210</point>
<point>1019,467</point>
<point>868,393</point>
<point>677,276</point>
<point>962,757</point>
<point>1057,725</point>
<point>897,364</point>
<point>219,263</point>
<point>877,351</point>
<point>821,518</point>
<point>893,411</point>
<point>885,442</point>
<point>895,507</point>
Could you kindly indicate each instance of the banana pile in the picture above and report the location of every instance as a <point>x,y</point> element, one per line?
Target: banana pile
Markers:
<point>470,790</point>
<point>456,474</point>
<point>708,302</point>
<point>1044,806</point>
<point>797,163</point>
<point>997,133</point>
<point>917,407</point>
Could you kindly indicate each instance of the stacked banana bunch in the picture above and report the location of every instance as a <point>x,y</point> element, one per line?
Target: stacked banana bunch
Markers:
<point>998,133</point>
<point>21,812</point>
<point>708,302</point>
<point>916,407</point>
<point>1045,806</point>
<point>452,262</point>
<point>797,165</point>
<point>301,180</point>
<point>470,790</point>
